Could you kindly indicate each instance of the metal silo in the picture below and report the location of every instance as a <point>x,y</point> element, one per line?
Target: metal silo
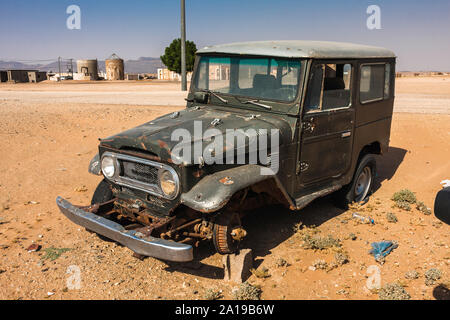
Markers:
<point>114,68</point>
<point>88,69</point>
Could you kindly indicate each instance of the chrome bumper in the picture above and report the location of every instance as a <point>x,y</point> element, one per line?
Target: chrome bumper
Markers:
<point>144,245</point>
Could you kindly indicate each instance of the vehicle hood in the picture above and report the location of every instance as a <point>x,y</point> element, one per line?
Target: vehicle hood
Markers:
<point>156,136</point>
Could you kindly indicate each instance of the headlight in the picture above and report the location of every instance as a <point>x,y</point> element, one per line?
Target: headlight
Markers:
<point>108,167</point>
<point>168,183</point>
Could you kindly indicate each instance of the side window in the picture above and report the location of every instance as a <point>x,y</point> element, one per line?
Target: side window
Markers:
<point>375,82</point>
<point>387,81</point>
<point>313,101</point>
<point>329,87</point>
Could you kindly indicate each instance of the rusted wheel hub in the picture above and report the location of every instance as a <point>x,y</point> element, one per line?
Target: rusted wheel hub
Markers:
<point>228,233</point>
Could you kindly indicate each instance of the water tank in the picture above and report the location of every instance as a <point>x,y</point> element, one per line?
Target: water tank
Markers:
<point>114,68</point>
<point>88,69</point>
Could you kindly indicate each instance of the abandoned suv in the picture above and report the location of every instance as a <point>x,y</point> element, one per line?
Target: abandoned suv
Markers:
<point>308,118</point>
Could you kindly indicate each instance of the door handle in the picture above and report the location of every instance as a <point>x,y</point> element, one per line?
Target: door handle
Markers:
<point>346,134</point>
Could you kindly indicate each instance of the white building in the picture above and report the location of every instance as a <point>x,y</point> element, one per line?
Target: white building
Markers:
<point>166,74</point>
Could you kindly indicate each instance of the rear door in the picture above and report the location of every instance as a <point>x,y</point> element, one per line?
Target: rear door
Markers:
<point>327,123</point>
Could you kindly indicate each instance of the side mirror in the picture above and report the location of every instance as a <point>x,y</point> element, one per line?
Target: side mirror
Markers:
<point>442,205</point>
<point>201,97</point>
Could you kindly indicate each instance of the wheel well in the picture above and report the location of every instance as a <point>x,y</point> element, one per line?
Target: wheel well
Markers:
<point>373,148</point>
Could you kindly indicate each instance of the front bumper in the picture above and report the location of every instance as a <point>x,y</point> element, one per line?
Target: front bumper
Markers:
<point>143,245</point>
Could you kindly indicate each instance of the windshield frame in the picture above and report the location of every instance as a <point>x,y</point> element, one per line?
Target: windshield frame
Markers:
<point>241,99</point>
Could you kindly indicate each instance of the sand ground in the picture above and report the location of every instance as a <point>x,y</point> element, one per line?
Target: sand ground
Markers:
<point>49,132</point>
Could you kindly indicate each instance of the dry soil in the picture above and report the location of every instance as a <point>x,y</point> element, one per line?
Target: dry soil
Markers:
<point>49,132</point>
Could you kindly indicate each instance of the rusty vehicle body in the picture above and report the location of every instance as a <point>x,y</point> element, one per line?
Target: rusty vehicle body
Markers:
<point>331,102</point>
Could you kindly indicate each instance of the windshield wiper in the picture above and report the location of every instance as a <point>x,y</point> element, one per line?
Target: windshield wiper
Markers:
<point>215,95</point>
<point>256,103</point>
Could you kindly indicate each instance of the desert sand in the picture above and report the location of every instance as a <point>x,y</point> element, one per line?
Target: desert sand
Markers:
<point>49,132</point>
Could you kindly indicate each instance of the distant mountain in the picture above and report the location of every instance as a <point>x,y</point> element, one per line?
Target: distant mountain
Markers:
<point>7,65</point>
<point>141,65</point>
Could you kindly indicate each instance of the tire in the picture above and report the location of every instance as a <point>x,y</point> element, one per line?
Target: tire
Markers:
<point>102,193</point>
<point>222,238</point>
<point>360,188</point>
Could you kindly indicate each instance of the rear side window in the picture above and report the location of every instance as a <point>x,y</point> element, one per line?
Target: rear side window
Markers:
<point>375,82</point>
<point>329,87</point>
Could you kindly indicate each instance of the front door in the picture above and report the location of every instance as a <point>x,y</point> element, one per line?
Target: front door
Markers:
<point>327,123</point>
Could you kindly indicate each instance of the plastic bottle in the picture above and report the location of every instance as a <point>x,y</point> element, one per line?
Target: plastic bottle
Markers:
<point>363,219</point>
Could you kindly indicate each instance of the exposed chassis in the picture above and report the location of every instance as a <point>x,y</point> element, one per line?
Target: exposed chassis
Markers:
<point>136,241</point>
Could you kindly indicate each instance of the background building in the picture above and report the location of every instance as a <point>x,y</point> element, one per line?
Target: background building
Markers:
<point>166,74</point>
<point>16,76</point>
<point>132,76</point>
<point>114,68</point>
<point>3,76</point>
<point>37,76</point>
<point>86,70</point>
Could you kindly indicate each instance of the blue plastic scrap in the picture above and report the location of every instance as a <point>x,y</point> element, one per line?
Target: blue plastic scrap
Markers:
<point>382,249</point>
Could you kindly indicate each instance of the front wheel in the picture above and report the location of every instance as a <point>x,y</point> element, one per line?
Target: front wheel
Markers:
<point>102,193</point>
<point>227,233</point>
<point>361,186</point>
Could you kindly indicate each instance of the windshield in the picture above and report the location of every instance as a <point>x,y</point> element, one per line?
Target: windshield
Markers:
<point>260,78</point>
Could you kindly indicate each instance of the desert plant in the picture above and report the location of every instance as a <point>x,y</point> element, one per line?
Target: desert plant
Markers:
<point>281,263</point>
<point>411,275</point>
<point>404,195</point>
<point>391,217</point>
<point>341,258</point>
<point>247,291</point>
<point>261,272</point>
<point>320,243</point>
<point>423,208</point>
<point>432,275</point>
<point>54,253</point>
<point>393,291</point>
<point>320,264</point>
<point>211,294</point>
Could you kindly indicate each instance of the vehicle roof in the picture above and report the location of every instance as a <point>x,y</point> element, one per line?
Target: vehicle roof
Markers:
<point>300,49</point>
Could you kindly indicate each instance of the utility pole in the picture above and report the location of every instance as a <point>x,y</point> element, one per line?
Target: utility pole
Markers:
<point>59,68</point>
<point>183,48</point>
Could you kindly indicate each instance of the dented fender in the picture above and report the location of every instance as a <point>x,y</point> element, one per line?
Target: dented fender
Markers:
<point>95,166</point>
<point>215,190</point>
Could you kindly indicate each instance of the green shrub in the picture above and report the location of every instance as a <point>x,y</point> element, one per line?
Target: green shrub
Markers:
<point>247,291</point>
<point>404,195</point>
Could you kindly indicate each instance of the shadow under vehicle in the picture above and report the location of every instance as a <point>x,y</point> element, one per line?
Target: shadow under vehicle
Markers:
<point>328,109</point>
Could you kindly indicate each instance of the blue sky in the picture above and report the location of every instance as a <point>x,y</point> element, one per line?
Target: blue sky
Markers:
<point>417,31</point>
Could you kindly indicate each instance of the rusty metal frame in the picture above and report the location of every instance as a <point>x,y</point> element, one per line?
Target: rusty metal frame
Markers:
<point>137,241</point>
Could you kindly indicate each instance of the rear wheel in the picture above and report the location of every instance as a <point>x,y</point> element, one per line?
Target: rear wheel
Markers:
<point>227,233</point>
<point>361,186</point>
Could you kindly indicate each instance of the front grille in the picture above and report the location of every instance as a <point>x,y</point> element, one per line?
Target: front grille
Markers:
<point>140,172</point>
